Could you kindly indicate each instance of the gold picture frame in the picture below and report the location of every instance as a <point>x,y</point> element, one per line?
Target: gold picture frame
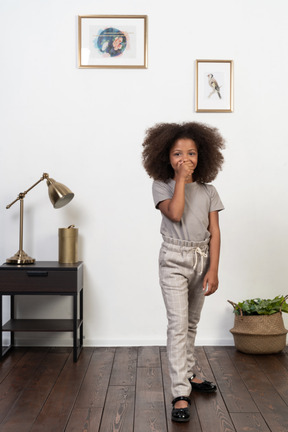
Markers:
<point>112,41</point>
<point>214,86</point>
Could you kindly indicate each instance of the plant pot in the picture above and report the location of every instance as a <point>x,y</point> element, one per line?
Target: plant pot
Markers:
<point>259,334</point>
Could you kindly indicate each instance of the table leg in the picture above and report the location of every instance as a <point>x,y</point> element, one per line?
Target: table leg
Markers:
<point>12,316</point>
<point>75,299</point>
<point>81,318</point>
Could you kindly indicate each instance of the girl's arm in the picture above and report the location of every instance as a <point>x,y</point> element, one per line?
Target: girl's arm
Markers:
<point>210,282</point>
<point>173,208</point>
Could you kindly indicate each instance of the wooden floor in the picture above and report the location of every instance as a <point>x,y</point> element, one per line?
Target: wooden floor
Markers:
<point>128,390</point>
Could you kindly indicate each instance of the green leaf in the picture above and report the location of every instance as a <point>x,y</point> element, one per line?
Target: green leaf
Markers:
<point>260,306</point>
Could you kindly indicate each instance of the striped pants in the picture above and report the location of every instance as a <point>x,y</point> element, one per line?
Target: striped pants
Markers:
<point>182,267</point>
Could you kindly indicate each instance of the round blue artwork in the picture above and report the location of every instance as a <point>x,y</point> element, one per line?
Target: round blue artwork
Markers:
<point>111,41</point>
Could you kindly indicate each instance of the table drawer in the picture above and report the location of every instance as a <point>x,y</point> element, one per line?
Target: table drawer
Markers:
<point>38,280</point>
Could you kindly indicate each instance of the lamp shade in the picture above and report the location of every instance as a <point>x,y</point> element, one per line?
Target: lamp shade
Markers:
<point>59,194</point>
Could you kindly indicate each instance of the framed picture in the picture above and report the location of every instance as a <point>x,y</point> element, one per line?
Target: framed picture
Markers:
<point>112,41</point>
<point>214,86</point>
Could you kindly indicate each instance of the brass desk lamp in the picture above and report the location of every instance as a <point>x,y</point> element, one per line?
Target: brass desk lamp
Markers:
<point>59,196</point>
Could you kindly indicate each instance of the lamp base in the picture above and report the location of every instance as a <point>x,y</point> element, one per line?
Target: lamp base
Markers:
<point>20,258</point>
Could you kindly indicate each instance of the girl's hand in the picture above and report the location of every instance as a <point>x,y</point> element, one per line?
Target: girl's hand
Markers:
<point>184,170</point>
<point>210,283</point>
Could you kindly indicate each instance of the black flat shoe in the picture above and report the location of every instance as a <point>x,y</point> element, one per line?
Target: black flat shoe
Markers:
<point>181,415</point>
<point>204,387</point>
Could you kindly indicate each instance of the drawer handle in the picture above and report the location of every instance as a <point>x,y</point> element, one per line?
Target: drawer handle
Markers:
<point>37,273</point>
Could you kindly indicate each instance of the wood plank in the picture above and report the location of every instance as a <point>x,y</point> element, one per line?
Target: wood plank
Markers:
<point>202,368</point>
<point>276,373</point>
<point>119,409</point>
<point>44,385</point>
<point>26,409</point>
<point>124,367</point>
<point>270,404</point>
<point>58,350</point>
<point>193,424</point>
<point>253,422</point>
<point>211,408</point>
<point>283,357</point>
<point>149,406</point>
<point>56,411</point>
<point>84,420</point>
<point>233,390</point>
<point>14,384</point>
<point>9,361</point>
<point>149,357</point>
<point>212,412</point>
<point>94,388</point>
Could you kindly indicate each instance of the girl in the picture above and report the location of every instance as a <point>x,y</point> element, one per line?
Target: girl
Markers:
<point>182,159</point>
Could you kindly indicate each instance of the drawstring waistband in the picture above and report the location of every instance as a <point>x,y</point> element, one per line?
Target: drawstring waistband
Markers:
<point>198,249</point>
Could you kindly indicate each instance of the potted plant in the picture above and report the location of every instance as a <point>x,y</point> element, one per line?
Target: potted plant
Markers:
<point>258,326</point>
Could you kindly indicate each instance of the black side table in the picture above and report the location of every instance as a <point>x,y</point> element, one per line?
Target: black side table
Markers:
<point>43,278</point>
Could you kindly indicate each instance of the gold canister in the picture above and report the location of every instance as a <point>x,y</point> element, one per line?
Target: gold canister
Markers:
<point>68,245</point>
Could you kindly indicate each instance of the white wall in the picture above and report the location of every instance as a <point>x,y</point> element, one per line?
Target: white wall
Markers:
<point>85,128</point>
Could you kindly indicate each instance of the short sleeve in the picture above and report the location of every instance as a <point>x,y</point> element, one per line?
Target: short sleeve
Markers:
<point>215,200</point>
<point>161,192</point>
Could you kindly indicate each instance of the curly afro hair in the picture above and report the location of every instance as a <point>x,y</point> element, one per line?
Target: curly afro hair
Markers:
<point>160,139</point>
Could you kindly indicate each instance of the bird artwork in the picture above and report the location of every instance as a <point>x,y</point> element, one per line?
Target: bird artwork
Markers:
<point>214,85</point>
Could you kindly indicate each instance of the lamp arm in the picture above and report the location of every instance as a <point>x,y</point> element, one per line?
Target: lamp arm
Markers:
<point>23,194</point>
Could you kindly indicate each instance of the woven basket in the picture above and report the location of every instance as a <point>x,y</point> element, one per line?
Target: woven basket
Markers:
<point>259,334</point>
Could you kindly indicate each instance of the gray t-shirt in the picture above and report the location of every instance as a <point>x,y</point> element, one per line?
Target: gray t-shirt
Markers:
<point>200,200</point>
